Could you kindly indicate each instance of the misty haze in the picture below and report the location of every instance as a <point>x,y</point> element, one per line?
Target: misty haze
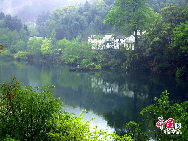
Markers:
<point>93,70</point>
<point>28,10</point>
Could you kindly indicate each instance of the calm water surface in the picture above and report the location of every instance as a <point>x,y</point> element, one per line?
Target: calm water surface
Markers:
<point>112,98</point>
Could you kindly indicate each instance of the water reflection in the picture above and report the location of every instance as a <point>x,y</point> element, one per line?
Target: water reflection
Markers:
<point>113,98</point>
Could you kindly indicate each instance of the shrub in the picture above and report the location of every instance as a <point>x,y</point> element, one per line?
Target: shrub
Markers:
<point>47,47</point>
<point>180,72</point>
<point>147,127</point>
<point>8,138</point>
<point>98,67</point>
<point>18,46</point>
<point>34,45</point>
<point>21,55</point>
<point>25,113</point>
<point>85,62</point>
<point>28,113</point>
<point>68,127</point>
<point>5,53</point>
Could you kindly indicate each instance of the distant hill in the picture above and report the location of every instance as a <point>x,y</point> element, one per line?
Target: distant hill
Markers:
<point>30,9</point>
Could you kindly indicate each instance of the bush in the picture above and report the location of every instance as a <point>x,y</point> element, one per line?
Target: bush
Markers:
<point>34,45</point>
<point>75,52</point>
<point>21,55</point>
<point>147,127</point>
<point>47,47</point>
<point>85,63</point>
<point>28,113</point>
<point>25,113</point>
<point>18,46</point>
<point>98,67</point>
<point>8,138</point>
<point>5,53</point>
<point>181,72</point>
<point>68,127</point>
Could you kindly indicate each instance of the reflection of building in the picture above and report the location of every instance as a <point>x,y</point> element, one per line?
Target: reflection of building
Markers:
<point>113,88</point>
<point>109,41</point>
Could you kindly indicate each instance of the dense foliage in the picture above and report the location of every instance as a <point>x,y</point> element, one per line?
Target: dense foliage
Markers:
<point>161,107</point>
<point>13,34</point>
<point>161,49</point>
<point>29,113</point>
<point>130,17</point>
<point>72,21</point>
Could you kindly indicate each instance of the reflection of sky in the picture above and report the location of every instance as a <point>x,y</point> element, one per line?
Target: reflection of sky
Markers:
<point>99,121</point>
<point>33,84</point>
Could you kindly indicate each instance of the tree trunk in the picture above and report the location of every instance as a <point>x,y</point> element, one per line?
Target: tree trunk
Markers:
<point>136,40</point>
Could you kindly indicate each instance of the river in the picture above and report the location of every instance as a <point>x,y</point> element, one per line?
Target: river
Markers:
<point>113,98</point>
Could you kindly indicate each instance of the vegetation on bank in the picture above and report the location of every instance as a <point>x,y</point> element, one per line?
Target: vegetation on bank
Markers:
<point>146,128</point>
<point>162,49</point>
<point>28,113</point>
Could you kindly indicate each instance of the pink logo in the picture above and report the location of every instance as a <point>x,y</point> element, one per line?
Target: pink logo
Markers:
<point>170,123</point>
<point>169,126</point>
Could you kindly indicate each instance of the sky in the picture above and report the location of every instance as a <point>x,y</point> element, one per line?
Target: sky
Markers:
<point>29,9</point>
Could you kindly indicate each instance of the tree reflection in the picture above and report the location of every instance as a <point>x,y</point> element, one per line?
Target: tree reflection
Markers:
<point>118,97</point>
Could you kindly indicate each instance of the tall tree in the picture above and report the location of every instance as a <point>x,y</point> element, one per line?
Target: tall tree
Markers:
<point>159,4</point>
<point>174,14</point>
<point>130,16</point>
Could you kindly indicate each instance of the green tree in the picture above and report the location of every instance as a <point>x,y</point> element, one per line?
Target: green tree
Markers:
<point>181,38</point>
<point>40,23</point>
<point>174,15</point>
<point>157,5</point>
<point>161,107</point>
<point>32,30</point>
<point>72,21</point>
<point>21,55</point>
<point>13,23</point>
<point>130,16</point>
<point>18,46</point>
<point>180,49</point>
<point>46,47</point>
<point>25,114</point>
<point>75,51</point>
<point>34,45</point>
<point>28,113</point>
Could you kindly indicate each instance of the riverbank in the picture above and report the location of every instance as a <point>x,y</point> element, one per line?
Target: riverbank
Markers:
<point>114,98</point>
<point>99,61</point>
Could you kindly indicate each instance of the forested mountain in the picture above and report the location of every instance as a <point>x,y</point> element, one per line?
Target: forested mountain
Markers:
<point>85,20</point>
<point>70,22</point>
<point>30,9</point>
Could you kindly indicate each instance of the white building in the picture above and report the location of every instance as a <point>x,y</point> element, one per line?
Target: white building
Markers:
<point>109,41</point>
<point>30,38</point>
